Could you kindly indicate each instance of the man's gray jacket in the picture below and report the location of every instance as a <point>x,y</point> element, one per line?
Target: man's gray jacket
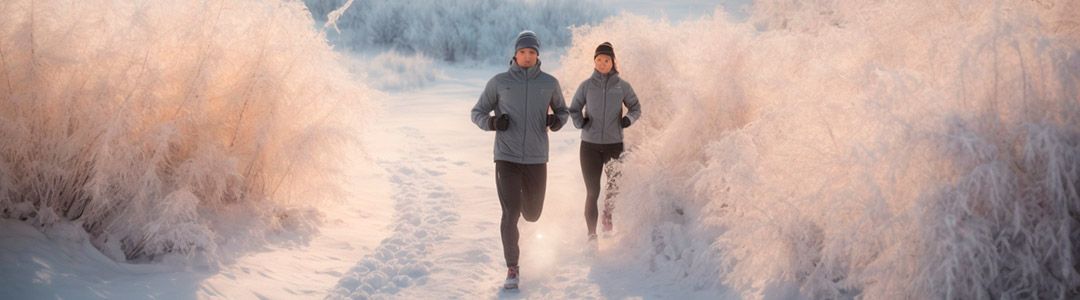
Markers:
<point>525,96</point>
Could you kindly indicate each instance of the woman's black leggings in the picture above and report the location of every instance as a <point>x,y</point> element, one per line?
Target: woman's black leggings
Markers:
<point>593,158</point>
<point>521,193</point>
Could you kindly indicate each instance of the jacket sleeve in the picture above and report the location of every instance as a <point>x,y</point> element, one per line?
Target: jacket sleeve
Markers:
<point>558,105</point>
<point>631,103</point>
<point>485,105</point>
<point>577,106</point>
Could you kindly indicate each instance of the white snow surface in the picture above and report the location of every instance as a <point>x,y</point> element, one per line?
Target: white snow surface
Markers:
<point>807,149</point>
<point>61,263</point>
<point>423,224</point>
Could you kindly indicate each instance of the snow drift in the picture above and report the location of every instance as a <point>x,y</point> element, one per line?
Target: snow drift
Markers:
<point>895,149</point>
<point>455,30</point>
<point>158,125</point>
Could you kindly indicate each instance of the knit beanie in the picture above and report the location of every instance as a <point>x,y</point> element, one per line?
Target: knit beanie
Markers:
<point>605,49</point>
<point>527,39</point>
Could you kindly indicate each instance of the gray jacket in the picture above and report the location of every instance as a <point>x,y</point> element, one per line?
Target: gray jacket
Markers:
<point>525,95</point>
<point>601,98</point>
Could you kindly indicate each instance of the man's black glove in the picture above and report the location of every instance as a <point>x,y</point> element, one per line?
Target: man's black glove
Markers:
<point>584,122</point>
<point>500,123</point>
<point>625,122</point>
<point>553,123</point>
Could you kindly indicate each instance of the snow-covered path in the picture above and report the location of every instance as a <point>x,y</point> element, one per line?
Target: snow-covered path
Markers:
<point>424,211</point>
<point>445,238</point>
<point>421,223</point>
<point>445,230</point>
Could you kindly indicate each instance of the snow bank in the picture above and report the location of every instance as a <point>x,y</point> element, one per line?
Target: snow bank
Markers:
<point>161,126</point>
<point>456,30</point>
<point>900,149</point>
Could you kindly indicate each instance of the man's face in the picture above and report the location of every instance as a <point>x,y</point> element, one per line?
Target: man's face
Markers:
<point>526,57</point>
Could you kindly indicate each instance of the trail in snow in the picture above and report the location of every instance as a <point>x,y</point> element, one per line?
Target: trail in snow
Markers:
<point>444,238</point>
<point>423,210</point>
<point>423,223</point>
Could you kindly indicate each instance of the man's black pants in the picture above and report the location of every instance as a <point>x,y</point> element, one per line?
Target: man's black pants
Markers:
<point>521,193</point>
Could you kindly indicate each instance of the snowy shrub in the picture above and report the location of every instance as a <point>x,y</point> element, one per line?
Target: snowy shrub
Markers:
<point>393,71</point>
<point>155,125</point>
<point>455,30</point>
<point>893,150</point>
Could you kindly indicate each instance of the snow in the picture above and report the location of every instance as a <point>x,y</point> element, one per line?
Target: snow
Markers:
<point>445,240</point>
<point>60,262</point>
<point>849,149</point>
<point>163,132</point>
<point>423,222</point>
<point>789,150</point>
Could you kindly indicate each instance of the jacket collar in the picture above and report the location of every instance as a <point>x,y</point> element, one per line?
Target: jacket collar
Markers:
<point>519,73</point>
<point>599,78</point>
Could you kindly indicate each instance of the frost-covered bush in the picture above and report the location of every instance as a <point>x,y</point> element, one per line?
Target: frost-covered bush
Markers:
<point>157,125</point>
<point>394,71</point>
<point>894,149</point>
<point>455,30</point>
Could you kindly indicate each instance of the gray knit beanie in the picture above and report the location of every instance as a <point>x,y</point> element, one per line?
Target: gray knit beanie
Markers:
<point>527,39</point>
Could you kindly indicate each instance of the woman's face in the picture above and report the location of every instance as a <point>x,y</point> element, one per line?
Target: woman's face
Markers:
<point>603,63</point>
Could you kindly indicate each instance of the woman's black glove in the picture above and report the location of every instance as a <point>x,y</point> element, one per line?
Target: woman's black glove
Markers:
<point>500,123</point>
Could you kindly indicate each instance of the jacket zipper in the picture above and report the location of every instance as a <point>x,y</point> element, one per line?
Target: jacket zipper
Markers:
<point>525,132</point>
<point>604,109</point>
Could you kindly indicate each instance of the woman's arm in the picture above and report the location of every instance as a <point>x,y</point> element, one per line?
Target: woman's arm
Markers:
<point>632,104</point>
<point>577,105</point>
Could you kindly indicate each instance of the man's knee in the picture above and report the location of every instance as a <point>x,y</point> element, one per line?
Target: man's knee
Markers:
<point>532,215</point>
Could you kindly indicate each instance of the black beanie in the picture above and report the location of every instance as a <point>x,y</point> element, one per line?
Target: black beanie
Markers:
<point>605,49</point>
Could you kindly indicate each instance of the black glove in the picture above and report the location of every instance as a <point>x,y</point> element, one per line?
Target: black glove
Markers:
<point>584,121</point>
<point>553,123</point>
<point>500,123</point>
<point>625,122</point>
